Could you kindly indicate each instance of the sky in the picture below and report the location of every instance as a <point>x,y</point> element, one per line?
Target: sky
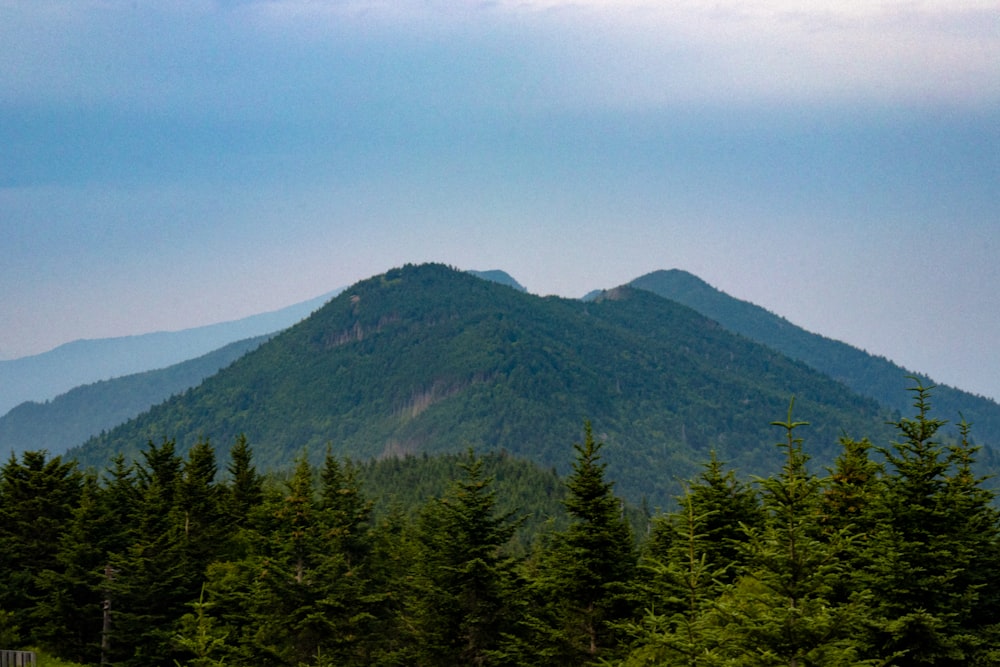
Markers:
<point>165,165</point>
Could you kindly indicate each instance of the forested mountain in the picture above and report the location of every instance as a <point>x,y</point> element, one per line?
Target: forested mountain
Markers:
<point>488,560</point>
<point>430,359</point>
<point>71,418</point>
<point>42,377</point>
<point>868,375</point>
<point>501,277</point>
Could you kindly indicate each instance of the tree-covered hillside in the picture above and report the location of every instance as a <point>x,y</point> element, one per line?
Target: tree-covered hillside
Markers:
<point>430,359</point>
<point>868,375</point>
<point>71,418</point>
<point>891,559</point>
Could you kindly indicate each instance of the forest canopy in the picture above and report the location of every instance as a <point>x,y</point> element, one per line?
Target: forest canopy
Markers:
<point>889,557</point>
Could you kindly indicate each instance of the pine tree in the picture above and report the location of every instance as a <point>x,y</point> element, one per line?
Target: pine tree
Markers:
<point>465,589</point>
<point>781,612</point>
<point>932,556</point>
<point>38,496</point>
<point>585,575</point>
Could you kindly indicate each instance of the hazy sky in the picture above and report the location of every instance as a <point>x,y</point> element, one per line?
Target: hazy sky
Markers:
<point>170,164</point>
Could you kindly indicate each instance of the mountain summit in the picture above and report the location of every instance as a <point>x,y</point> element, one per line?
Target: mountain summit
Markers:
<point>427,359</point>
<point>866,374</point>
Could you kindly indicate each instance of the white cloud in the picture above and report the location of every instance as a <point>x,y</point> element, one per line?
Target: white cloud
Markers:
<point>577,54</point>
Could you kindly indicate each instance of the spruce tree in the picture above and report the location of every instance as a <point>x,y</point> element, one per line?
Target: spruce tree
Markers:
<point>782,611</point>
<point>932,558</point>
<point>465,593</point>
<point>681,585</point>
<point>727,507</point>
<point>246,486</point>
<point>148,583</point>
<point>585,574</point>
<point>38,496</point>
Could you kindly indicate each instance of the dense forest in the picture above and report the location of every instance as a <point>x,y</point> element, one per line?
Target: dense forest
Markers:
<point>889,557</point>
<point>869,375</point>
<point>428,359</point>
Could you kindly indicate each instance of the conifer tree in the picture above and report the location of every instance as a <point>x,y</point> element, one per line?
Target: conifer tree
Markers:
<point>781,612</point>
<point>465,593</point>
<point>246,486</point>
<point>284,595</point>
<point>930,558</point>
<point>678,626</point>
<point>727,507</point>
<point>68,615</point>
<point>37,499</point>
<point>585,575</point>
<point>147,583</point>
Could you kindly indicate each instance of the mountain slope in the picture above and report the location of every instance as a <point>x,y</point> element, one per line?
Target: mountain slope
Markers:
<point>868,375</point>
<point>44,376</point>
<point>501,277</point>
<point>85,411</point>
<point>428,359</point>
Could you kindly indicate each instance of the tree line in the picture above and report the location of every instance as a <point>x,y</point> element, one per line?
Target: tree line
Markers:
<point>890,558</point>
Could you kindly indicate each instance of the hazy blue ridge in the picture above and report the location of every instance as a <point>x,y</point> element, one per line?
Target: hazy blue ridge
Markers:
<point>44,376</point>
<point>869,375</point>
<point>427,360</point>
<point>71,418</point>
<point>501,277</point>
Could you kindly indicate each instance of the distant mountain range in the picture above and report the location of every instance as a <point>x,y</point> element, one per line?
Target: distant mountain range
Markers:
<point>426,359</point>
<point>569,369</point>
<point>42,377</point>
<point>87,410</point>
<point>869,375</point>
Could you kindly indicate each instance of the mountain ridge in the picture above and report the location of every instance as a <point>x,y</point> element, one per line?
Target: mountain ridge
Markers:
<point>868,374</point>
<point>44,376</point>
<point>426,359</point>
<point>71,418</point>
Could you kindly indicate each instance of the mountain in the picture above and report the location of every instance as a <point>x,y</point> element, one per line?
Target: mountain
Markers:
<point>868,375</point>
<point>85,411</point>
<point>426,359</point>
<point>71,418</point>
<point>44,376</point>
<point>501,277</point>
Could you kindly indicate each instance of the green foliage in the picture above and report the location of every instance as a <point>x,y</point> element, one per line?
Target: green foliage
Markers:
<point>891,559</point>
<point>872,376</point>
<point>931,558</point>
<point>680,585</point>
<point>783,611</point>
<point>465,593</point>
<point>585,573</point>
<point>38,497</point>
<point>426,359</point>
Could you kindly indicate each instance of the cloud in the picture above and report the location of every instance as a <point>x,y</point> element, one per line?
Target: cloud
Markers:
<point>203,57</point>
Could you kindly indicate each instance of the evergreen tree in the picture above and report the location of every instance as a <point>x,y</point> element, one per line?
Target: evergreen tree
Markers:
<point>149,583</point>
<point>465,590</point>
<point>727,507</point>
<point>68,616</point>
<point>246,486</point>
<point>933,555</point>
<point>679,627</point>
<point>781,612</point>
<point>198,517</point>
<point>585,574</point>
<point>37,500</point>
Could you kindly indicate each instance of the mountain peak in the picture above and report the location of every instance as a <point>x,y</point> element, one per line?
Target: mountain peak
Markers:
<point>501,277</point>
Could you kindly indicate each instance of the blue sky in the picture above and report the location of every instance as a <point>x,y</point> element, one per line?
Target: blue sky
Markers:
<point>170,164</point>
